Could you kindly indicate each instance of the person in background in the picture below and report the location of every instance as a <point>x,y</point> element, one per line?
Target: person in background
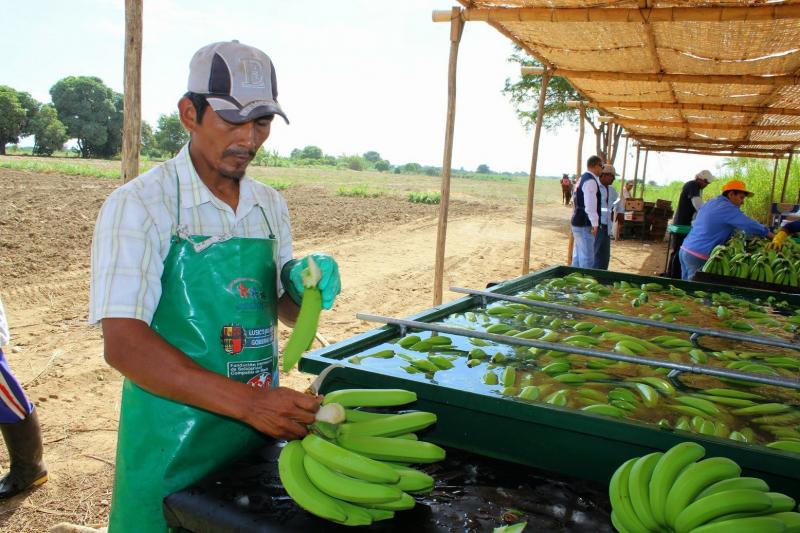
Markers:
<point>566,189</point>
<point>783,233</point>
<point>608,199</point>
<point>715,223</point>
<point>191,269</point>
<point>689,202</point>
<point>19,424</point>
<point>586,213</point>
<point>619,208</point>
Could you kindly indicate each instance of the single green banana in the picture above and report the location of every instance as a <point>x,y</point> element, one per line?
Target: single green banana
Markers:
<point>529,393</point>
<point>785,445</point>
<point>659,383</point>
<point>346,462</point>
<point>619,494</point>
<point>359,415</point>
<point>762,409</point>
<point>370,397</point>
<point>639,488</point>
<point>405,502</point>
<point>734,393</point>
<point>735,483</point>
<point>699,403</point>
<point>509,376</point>
<point>412,480</point>
<point>666,472</point>
<point>293,476</point>
<point>706,509</point>
<point>605,410</point>
<point>693,480</point>
<point>733,402</point>
<point>389,449</point>
<point>790,520</point>
<point>345,487</point>
<point>390,426</point>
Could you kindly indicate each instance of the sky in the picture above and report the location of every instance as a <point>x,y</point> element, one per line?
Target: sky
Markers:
<point>353,76</point>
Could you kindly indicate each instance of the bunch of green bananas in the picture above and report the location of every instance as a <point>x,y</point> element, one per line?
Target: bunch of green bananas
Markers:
<point>352,472</point>
<point>756,260</point>
<point>677,492</point>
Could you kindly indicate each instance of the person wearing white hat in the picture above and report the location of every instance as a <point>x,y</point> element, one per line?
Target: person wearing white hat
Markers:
<point>608,200</point>
<point>689,203</point>
<point>191,269</point>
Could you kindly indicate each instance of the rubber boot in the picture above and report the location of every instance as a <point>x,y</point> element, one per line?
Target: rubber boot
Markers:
<point>24,443</point>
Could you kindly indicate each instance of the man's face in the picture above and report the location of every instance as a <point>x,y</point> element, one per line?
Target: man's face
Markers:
<point>606,179</point>
<point>597,169</point>
<point>737,198</point>
<point>225,147</point>
<point>703,183</point>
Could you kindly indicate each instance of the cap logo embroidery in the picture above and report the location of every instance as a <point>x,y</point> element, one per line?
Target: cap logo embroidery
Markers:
<point>253,74</point>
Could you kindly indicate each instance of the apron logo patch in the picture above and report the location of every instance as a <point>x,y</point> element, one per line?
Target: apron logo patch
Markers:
<point>235,338</point>
<point>249,292</point>
<point>255,373</point>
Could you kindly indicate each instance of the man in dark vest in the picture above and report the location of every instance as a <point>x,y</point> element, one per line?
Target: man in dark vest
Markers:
<point>586,213</point>
<point>689,203</point>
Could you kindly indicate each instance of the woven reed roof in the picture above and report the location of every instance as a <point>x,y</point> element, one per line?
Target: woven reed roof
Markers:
<point>705,76</point>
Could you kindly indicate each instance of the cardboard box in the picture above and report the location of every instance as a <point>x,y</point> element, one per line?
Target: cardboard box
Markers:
<point>634,216</point>
<point>634,204</point>
<point>664,204</point>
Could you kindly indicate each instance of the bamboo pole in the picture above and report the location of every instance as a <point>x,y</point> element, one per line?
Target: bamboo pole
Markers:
<point>725,79</point>
<point>636,171</point>
<point>456,29</point>
<point>526,254</point>
<point>578,163</point>
<point>729,151</point>
<point>726,142</point>
<point>772,192</point>
<point>662,124</point>
<point>786,176</point>
<point>132,103</point>
<point>622,187</point>
<point>769,155</point>
<point>644,171</point>
<point>721,108</point>
<point>633,15</point>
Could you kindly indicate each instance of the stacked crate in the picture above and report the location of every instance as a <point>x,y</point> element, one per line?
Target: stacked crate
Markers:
<point>659,216</point>
<point>634,226</point>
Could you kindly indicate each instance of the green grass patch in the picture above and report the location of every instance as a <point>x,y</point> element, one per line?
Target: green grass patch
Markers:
<point>358,191</point>
<point>278,185</point>
<point>425,197</point>
<point>60,167</point>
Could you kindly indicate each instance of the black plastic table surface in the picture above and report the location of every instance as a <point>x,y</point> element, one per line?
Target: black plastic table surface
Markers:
<point>472,494</point>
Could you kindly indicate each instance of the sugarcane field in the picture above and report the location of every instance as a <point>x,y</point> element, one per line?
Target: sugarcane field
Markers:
<point>480,266</point>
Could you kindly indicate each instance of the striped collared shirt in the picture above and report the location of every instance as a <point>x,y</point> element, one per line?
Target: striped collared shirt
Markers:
<point>135,225</point>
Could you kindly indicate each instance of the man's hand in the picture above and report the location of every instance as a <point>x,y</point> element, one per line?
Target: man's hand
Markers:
<point>594,230</point>
<point>282,413</point>
<point>777,240</point>
<point>329,284</point>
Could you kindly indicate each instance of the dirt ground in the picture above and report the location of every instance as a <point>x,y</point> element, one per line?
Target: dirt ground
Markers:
<point>385,248</point>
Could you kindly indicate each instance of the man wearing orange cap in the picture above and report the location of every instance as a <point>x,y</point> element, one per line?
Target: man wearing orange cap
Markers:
<point>715,223</point>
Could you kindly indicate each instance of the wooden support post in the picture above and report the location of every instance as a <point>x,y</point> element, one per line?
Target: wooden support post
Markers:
<point>578,166</point>
<point>617,225</point>
<point>786,176</point>
<point>526,254</point>
<point>644,171</point>
<point>456,29</point>
<point>132,112</point>
<point>772,192</point>
<point>636,172</point>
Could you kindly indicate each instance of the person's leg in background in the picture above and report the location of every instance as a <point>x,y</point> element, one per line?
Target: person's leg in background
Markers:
<point>583,256</point>
<point>19,425</point>
<point>689,264</point>
<point>620,219</point>
<point>674,266</point>
<point>602,248</point>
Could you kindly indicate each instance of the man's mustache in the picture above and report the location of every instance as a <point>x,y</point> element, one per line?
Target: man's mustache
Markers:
<point>239,153</point>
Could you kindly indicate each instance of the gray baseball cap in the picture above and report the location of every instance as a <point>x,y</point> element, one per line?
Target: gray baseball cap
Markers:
<point>609,169</point>
<point>238,81</point>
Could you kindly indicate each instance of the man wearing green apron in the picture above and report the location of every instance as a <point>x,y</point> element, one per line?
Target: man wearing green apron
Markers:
<point>191,268</point>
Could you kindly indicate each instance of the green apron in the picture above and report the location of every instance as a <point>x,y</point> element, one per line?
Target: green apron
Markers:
<point>219,307</point>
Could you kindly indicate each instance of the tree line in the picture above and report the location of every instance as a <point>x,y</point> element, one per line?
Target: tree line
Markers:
<point>85,109</point>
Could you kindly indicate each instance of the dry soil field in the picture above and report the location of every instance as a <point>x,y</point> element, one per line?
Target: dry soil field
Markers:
<point>385,247</point>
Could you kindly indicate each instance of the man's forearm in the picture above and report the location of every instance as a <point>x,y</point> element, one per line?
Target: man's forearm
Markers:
<point>144,357</point>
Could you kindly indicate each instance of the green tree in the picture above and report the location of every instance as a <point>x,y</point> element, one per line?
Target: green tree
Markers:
<point>147,144</point>
<point>412,168</point>
<point>12,119</point>
<point>483,169</point>
<point>311,152</point>
<point>372,156</point>
<point>524,95</point>
<point>90,111</point>
<point>170,135</point>
<point>382,165</point>
<point>113,144</point>
<point>49,133</point>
